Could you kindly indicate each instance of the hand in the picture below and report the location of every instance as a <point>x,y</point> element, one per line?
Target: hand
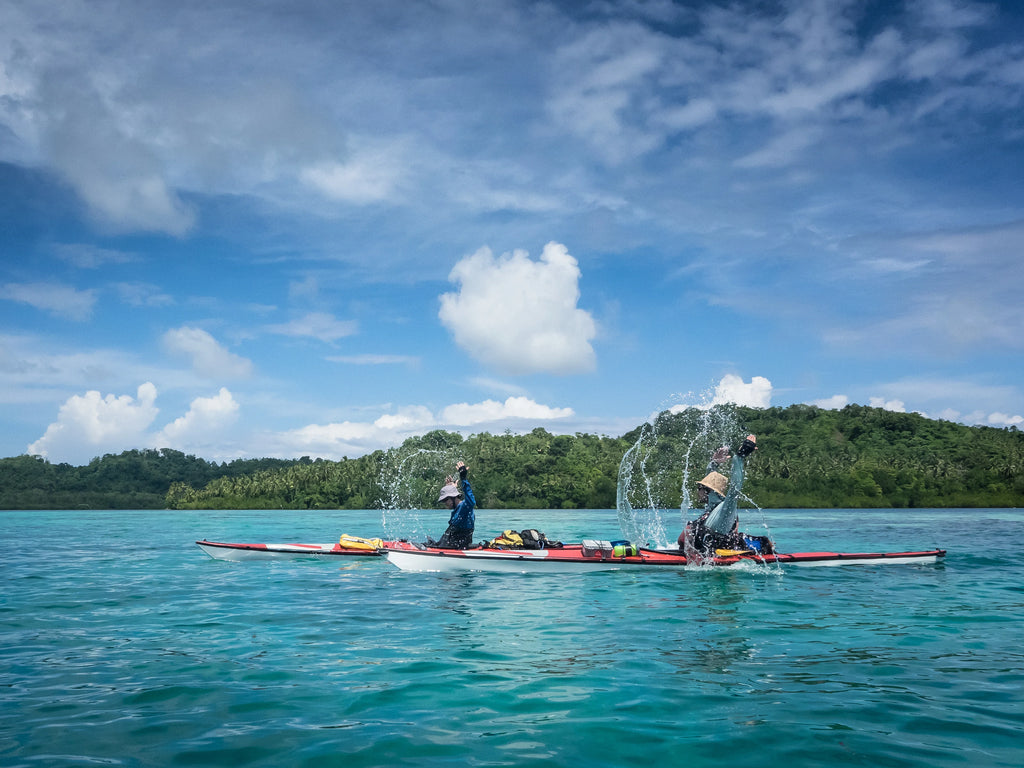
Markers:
<point>722,454</point>
<point>748,447</point>
<point>462,468</point>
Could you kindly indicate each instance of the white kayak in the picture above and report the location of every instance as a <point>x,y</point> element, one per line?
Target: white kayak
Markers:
<point>231,551</point>
<point>578,559</point>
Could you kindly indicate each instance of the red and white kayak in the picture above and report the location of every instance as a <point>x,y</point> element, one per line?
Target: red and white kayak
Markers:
<point>344,548</point>
<point>577,558</point>
<point>589,556</point>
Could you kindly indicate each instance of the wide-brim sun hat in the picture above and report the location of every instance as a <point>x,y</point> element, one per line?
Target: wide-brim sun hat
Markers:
<point>449,491</point>
<point>716,482</point>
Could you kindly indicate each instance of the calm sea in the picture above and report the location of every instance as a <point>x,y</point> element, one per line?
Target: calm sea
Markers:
<point>121,643</point>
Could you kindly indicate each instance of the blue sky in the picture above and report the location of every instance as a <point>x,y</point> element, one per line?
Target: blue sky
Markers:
<point>316,228</point>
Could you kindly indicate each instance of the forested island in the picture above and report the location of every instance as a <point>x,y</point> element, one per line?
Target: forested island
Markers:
<point>808,457</point>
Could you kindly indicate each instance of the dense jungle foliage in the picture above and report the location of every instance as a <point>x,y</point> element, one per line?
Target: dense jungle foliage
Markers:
<point>807,457</point>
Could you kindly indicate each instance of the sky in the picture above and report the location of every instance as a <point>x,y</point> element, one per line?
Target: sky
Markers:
<point>295,228</point>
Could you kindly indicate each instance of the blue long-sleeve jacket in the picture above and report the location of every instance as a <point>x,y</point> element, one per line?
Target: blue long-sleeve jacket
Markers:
<point>462,515</point>
<point>724,517</point>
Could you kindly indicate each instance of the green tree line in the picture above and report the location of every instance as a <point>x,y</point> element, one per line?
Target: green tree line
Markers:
<point>807,458</point>
<point>136,479</point>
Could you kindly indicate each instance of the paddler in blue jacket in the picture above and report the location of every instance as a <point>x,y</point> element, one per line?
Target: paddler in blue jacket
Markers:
<point>459,534</point>
<point>718,527</point>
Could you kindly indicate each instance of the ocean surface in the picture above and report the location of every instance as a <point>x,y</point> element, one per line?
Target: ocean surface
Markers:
<point>122,643</point>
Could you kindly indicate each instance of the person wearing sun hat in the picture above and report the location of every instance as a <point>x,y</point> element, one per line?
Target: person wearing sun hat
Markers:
<point>459,534</point>
<point>718,526</point>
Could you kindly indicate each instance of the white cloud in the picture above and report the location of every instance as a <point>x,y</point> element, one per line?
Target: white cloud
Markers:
<point>466,414</point>
<point>732,389</point>
<point>994,419</point>
<point>1005,420</point>
<point>205,418</point>
<point>317,325</point>
<point>143,295</point>
<point>495,385</point>
<point>89,139</point>
<point>57,299</point>
<point>353,438</point>
<point>782,150</point>
<point>369,176</point>
<point>86,256</point>
<point>409,418</point>
<point>35,369</point>
<point>897,406</point>
<point>90,425</point>
<point>209,358</point>
<point>603,90</point>
<point>834,403</point>
<point>518,315</point>
<point>334,440</point>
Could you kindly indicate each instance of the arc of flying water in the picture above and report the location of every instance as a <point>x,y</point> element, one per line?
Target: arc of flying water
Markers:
<point>398,525</point>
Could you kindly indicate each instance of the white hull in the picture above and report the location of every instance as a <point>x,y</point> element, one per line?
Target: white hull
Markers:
<point>554,561</point>
<point>864,561</point>
<point>493,562</point>
<point>240,552</point>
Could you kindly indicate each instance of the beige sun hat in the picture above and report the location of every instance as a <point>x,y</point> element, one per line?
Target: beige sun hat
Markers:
<point>449,491</point>
<point>715,482</point>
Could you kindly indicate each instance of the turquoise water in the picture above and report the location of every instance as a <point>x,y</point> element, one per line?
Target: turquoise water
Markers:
<point>121,643</point>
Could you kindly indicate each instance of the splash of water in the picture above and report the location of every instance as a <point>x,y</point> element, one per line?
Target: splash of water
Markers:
<point>409,480</point>
<point>659,471</point>
<point>643,523</point>
<point>627,515</point>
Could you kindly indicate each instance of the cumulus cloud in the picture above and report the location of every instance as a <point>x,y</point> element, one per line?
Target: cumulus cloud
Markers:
<point>57,299</point>
<point>412,417</point>
<point>206,415</point>
<point>998,419</point>
<point>90,425</point>
<point>518,315</point>
<point>317,325</point>
<point>466,414</point>
<point>834,403</point>
<point>896,406</point>
<point>209,358</point>
<point>732,389</point>
<point>353,438</point>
